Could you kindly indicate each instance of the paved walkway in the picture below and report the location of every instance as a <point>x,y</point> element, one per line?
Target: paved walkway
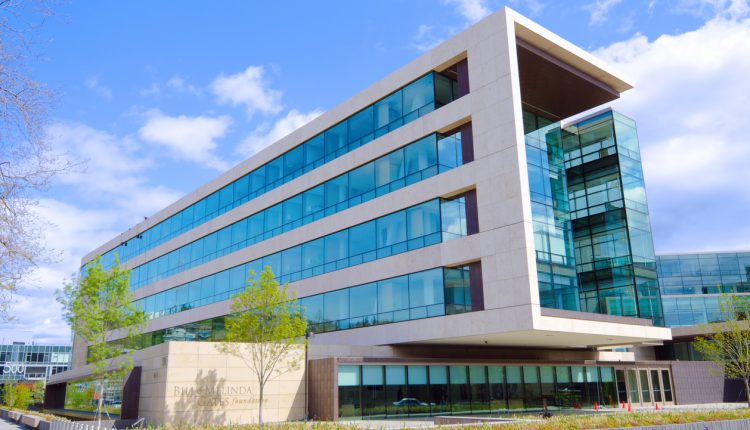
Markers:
<point>8,425</point>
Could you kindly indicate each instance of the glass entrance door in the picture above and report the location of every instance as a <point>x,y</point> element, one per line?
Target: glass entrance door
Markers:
<point>644,386</point>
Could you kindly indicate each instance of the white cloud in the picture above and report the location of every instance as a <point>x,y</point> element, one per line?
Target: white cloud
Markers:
<point>725,9</point>
<point>690,99</point>
<point>471,10</point>
<point>248,88</point>
<point>180,85</point>
<point>192,138</point>
<point>426,38</point>
<point>93,83</point>
<point>152,90</point>
<point>266,135</point>
<point>533,6</point>
<point>599,10</point>
<point>112,192</point>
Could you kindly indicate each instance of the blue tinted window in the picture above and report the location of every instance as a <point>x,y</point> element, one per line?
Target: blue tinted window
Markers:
<point>360,124</point>
<point>294,160</point>
<point>426,288</point>
<point>393,294</point>
<point>389,168</point>
<point>258,179</point>
<point>387,110</point>
<point>314,149</point>
<point>362,238</point>
<point>336,246</point>
<point>418,94</point>
<point>273,217</point>
<point>363,300</point>
<point>391,229</point>
<point>421,155</point>
<point>292,209</point>
<point>336,190</point>
<point>362,180</point>
<point>274,170</point>
<point>291,260</point>
<point>423,219</point>
<point>335,138</point>
<point>313,253</point>
<point>336,305</point>
<point>313,200</point>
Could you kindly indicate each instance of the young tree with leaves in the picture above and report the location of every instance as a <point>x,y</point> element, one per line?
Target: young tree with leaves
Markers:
<point>99,306</point>
<point>728,345</point>
<point>263,329</point>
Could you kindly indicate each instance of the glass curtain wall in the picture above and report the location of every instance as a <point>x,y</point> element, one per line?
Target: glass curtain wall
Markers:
<point>692,285</point>
<point>417,295</point>
<point>429,223</point>
<point>399,391</point>
<point>611,229</point>
<point>415,162</point>
<point>553,237</point>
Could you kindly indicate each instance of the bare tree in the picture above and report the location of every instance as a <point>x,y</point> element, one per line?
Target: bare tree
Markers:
<point>27,162</point>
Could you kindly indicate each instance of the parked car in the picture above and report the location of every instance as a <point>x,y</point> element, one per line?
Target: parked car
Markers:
<point>409,401</point>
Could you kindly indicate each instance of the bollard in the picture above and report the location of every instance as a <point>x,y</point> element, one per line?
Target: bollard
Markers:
<point>596,406</point>
<point>657,406</point>
<point>630,409</point>
<point>622,404</point>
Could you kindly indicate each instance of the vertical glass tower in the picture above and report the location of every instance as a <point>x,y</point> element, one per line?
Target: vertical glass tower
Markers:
<point>590,214</point>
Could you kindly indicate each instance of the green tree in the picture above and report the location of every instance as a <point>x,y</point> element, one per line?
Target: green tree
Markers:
<point>728,344</point>
<point>10,394</point>
<point>37,393</point>
<point>23,399</point>
<point>263,329</point>
<point>99,308</point>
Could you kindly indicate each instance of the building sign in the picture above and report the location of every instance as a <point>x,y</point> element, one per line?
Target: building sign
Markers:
<point>221,397</point>
<point>14,368</point>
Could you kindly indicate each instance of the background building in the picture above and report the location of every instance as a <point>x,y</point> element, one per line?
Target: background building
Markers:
<point>459,244</point>
<point>20,361</point>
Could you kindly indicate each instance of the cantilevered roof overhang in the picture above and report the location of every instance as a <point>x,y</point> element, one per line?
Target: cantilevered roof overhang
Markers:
<point>557,78</point>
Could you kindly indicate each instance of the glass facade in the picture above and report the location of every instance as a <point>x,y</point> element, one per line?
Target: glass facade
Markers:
<point>395,391</point>
<point>393,111</point>
<point>429,293</point>
<point>21,362</point>
<point>426,224</point>
<point>611,227</point>
<point>692,285</point>
<point>412,163</point>
<point>590,215</point>
<point>553,234</point>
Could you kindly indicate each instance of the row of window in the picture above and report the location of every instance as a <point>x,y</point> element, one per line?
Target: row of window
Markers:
<point>690,265</point>
<point>380,391</point>
<point>415,162</point>
<point>430,293</point>
<point>34,357</point>
<point>400,107</point>
<point>433,292</point>
<point>694,310</point>
<point>422,225</point>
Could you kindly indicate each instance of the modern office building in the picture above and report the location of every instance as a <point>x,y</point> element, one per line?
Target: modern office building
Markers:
<point>21,361</point>
<point>693,288</point>
<point>459,244</point>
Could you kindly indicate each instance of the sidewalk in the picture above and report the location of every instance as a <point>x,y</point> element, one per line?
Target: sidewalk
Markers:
<point>7,425</point>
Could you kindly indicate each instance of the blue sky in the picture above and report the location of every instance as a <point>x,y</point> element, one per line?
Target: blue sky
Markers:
<point>160,97</point>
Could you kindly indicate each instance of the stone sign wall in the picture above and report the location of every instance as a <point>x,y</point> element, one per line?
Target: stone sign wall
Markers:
<point>193,383</point>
